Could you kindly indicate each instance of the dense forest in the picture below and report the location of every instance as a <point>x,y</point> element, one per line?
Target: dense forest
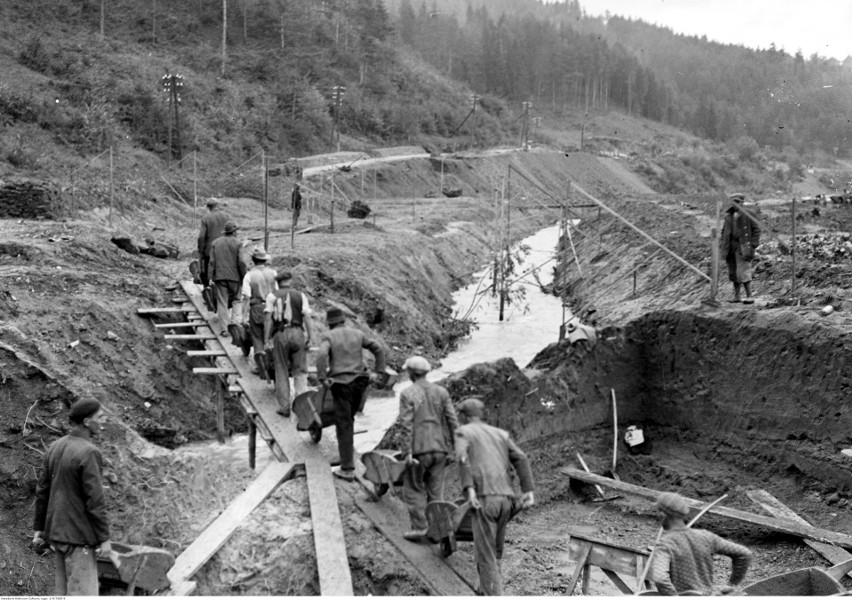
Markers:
<point>263,73</point>
<point>555,55</point>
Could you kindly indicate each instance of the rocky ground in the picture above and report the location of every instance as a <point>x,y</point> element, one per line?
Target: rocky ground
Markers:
<point>68,298</point>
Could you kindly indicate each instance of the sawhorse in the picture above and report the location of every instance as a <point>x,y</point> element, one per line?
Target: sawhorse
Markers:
<point>612,559</point>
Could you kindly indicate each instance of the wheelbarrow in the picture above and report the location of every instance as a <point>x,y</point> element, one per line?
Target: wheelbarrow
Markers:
<point>385,467</point>
<point>135,568</point>
<point>314,411</point>
<point>449,522</point>
<point>805,582</point>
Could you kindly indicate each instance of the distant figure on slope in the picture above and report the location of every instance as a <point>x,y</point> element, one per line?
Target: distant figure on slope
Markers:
<point>429,423</point>
<point>340,365</point>
<point>70,510</point>
<point>683,560</point>
<point>484,454</point>
<point>296,203</point>
<point>740,236</point>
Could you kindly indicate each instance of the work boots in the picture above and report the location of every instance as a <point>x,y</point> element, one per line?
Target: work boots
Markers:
<point>262,369</point>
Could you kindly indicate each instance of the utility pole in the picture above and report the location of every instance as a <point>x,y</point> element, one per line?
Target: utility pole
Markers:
<point>506,242</point>
<point>525,126</point>
<point>171,85</point>
<point>102,18</point>
<point>264,164</point>
<point>793,251</point>
<point>337,92</point>
<point>475,99</point>
<point>537,123</point>
<point>224,34</point>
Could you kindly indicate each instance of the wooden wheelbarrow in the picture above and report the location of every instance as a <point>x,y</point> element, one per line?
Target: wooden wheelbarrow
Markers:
<point>314,411</point>
<point>806,582</point>
<point>385,468</point>
<point>135,568</point>
<point>449,522</point>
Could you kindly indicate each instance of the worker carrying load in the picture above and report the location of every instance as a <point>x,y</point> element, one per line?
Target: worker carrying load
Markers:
<point>484,454</point>
<point>429,423</point>
<point>683,559</point>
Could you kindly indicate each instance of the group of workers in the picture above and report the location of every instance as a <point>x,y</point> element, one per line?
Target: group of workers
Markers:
<point>70,511</point>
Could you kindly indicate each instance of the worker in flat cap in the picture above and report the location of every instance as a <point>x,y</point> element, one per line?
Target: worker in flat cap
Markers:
<point>287,334</point>
<point>340,366</point>
<point>740,237</point>
<point>484,454</point>
<point>683,559</point>
<point>227,271</point>
<point>258,284</point>
<point>70,511</point>
<point>428,421</point>
<point>212,225</point>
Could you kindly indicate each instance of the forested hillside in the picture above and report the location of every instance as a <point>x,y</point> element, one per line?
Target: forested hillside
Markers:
<point>555,55</point>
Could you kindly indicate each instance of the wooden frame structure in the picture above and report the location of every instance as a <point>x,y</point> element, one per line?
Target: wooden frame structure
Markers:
<point>612,559</point>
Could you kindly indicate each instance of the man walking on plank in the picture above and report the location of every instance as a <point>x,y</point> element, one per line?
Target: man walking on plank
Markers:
<point>484,454</point>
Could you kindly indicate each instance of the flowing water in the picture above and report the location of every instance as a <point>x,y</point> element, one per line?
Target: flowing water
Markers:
<point>530,322</point>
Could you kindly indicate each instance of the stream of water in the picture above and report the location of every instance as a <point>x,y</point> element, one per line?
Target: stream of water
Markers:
<point>530,322</point>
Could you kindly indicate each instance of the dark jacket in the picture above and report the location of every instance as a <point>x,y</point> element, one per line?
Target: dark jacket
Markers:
<point>211,228</point>
<point>70,505</point>
<point>225,261</point>
<point>296,200</point>
<point>340,356</point>
<point>428,419</point>
<point>746,233</point>
<point>484,454</point>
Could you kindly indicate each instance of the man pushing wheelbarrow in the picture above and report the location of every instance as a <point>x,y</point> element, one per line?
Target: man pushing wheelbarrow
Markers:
<point>341,369</point>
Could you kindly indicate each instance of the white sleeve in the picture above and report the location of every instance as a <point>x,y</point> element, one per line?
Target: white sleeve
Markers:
<point>306,308</point>
<point>246,291</point>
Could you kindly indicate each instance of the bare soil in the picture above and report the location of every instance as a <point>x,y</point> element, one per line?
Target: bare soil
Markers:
<point>734,398</point>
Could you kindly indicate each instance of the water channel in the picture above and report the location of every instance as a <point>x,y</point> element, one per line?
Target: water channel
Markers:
<point>530,323</point>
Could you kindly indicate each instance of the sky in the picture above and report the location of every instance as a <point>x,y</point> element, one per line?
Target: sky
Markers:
<point>823,27</point>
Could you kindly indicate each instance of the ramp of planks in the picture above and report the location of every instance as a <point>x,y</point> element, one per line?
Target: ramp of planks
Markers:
<point>438,574</point>
<point>212,539</point>
<point>776,508</point>
<point>787,526</point>
<point>258,400</point>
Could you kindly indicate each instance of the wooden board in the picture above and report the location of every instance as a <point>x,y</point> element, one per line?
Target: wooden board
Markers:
<point>438,575</point>
<point>332,559</point>
<point>180,324</point>
<point>199,336</point>
<point>157,310</point>
<point>207,353</point>
<point>607,556</point>
<point>776,524</point>
<point>181,589</point>
<point>212,539</point>
<point>776,508</point>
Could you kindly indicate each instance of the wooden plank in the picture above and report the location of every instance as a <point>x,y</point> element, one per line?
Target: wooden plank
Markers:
<point>776,508</point>
<point>212,539</point>
<point>606,556</point>
<point>234,388</point>
<point>581,564</point>
<point>438,576</point>
<point>330,546</point>
<point>181,589</point>
<point>181,324</point>
<point>617,581</point>
<point>775,524</point>
<point>230,371</point>
<point>158,310</point>
<point>207,353</point>
<point>202,336</point>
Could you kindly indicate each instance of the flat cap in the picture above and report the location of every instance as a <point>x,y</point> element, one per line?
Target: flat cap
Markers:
<point>673,504</point>
<point>737,197</point>
<point>417,364</point>
<point>212,202</point>
<point>283,275</point>
<point>230,228</point>
<point>82,409</point>
<point>260,254</point>
<point>334,316</point>
<point>472,407</point>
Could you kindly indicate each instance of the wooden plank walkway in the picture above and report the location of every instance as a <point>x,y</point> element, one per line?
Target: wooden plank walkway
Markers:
<point>776,508</point>
<point>212,539</point>
<point>441,579</point>
<point>779,525</point>
<point>259,402</point>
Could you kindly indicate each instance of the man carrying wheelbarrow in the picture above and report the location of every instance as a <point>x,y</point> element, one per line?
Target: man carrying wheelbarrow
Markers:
<point>287,334</point>
<point>340,365</point>
<point>429,423</point>
<point>484,454</point>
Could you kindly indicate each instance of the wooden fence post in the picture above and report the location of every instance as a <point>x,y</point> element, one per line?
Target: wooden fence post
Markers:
<point>793,252</point>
